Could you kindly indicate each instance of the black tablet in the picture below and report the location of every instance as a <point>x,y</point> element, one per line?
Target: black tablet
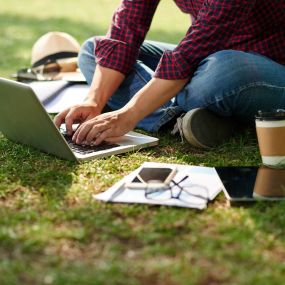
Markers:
<point>252,183</point>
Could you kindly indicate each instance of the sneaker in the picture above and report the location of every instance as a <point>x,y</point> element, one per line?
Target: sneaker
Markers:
<point>203,129</point>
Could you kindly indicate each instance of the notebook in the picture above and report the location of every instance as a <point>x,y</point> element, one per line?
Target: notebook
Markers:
<point>23,119</point>
<point>57,96</point>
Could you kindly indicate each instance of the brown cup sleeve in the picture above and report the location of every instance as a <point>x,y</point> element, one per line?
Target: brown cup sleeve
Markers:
<point>271,141</point>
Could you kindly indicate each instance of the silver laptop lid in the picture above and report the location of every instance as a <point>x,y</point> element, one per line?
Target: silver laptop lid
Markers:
<point>23,119</point>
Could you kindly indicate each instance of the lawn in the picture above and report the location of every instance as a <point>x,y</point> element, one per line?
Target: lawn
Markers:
<point>53,232</point>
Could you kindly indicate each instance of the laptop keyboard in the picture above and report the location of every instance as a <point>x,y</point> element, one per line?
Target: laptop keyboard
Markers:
<point>85,149</point>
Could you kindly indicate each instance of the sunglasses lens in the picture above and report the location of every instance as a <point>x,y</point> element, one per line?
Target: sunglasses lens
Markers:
<point>51,68</point>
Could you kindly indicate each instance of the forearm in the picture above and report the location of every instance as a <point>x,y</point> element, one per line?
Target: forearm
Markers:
<point>105,82</point>
<point>118,123</point>
<point>152,96</point>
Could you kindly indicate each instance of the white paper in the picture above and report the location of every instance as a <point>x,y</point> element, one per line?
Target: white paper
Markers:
<point>47,90</point>
<point>204,176</point>
<point>70,96</point>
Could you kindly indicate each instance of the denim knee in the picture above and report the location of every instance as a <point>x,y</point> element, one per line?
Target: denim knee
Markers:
<point>229,68</point>
<point>86,59</point>
<point>217,76</point>
<point>86,48</point>
<point>235,83</point>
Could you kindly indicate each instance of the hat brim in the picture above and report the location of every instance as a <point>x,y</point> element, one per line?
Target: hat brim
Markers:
<point>54,57</point>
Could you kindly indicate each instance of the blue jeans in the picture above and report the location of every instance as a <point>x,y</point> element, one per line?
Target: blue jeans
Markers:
<point>229,83</point>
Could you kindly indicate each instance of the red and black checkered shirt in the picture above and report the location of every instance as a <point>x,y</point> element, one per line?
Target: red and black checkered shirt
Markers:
<point>245,25</point>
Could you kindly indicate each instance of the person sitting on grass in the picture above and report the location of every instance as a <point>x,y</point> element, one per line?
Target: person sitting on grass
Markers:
<point>229,65</point>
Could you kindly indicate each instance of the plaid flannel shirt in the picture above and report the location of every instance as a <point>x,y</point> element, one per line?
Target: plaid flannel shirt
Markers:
<point>245,25</point>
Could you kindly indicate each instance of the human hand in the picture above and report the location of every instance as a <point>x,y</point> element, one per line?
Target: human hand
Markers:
<point>77,114</point>
<point>112,124</point>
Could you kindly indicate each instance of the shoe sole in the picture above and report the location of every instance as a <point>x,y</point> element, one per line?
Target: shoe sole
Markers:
<point>203,129</point>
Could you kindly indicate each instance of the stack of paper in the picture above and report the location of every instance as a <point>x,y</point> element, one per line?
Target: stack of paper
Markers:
<point>46,91</point>
<point>68,97</point>
<point>206,177</point>
<point>56,96</point>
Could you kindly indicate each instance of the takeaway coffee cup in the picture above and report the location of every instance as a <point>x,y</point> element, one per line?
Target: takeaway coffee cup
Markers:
<point>270,129</point>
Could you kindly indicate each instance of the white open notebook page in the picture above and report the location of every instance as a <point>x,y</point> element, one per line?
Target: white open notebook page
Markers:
<point>69,97</point>
<point>56,96</point>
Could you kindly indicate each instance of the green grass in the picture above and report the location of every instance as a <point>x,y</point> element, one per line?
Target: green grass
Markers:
<point>53,232</point>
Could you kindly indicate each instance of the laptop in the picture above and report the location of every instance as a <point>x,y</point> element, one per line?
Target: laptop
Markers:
<point>23,119</point>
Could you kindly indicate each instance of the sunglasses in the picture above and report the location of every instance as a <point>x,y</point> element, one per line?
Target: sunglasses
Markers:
<point>48,71</point>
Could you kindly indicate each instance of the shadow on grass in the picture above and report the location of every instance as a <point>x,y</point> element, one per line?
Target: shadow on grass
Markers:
<point>240,150</point>
<point>21,166</point>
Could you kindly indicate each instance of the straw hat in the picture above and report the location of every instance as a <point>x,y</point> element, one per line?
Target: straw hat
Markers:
<point>53,46</point>
<point>54,57</point>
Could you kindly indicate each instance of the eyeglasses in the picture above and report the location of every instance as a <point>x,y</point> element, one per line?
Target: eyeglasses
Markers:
<point>175,190</point>
<point>48,71</point>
